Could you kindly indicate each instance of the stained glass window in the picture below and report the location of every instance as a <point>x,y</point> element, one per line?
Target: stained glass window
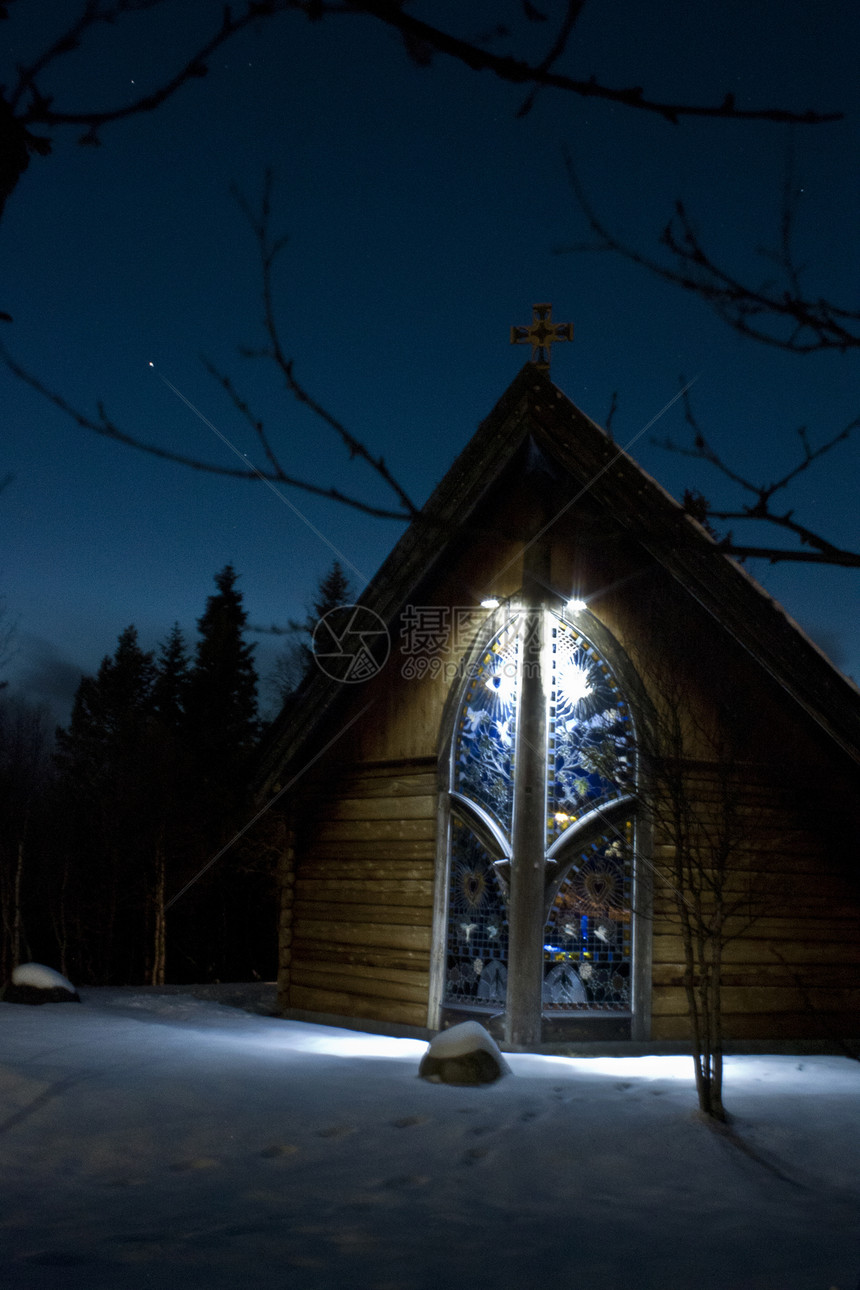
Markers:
<point>587,934</point>
<point>484,750</point>
<point>590,763</point>
<point>591,735</point>
<point>477,948</point>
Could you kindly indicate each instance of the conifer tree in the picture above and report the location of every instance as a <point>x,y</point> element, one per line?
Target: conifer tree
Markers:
<point>170,689</point>
<point>106,759</point>
<point>210,926</point>
<point>110,715</point>
<point>25,774</point>
<point>334,590</point>
<point>294,662</point>
<point>177,776</point>
<point>222,693</point>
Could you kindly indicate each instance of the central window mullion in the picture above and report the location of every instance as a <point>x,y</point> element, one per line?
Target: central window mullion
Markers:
<point>527,914</point>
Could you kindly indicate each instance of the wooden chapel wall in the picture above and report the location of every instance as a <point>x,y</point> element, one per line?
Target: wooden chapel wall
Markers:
<point>357,943</point>
<point>358,881</point>
<point>793,969</point>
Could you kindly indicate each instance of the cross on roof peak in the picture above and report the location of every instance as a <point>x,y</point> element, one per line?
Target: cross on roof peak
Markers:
<point>541,334</point>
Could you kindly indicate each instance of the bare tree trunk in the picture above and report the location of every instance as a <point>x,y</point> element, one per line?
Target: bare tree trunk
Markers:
<point>61,929</point>
<point>160,938</point>
<point>17,926</point>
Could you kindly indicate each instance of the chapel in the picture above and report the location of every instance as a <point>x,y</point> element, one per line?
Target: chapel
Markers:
<point>560,728</point>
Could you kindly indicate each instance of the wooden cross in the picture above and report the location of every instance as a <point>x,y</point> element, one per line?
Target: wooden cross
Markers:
<point>541,335</point>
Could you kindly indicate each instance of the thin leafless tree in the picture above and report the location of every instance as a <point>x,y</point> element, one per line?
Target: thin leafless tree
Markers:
<point>707,876</point>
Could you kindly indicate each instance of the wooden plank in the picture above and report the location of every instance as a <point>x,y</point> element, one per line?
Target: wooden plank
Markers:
<point>827,1026</point>
<point>370,956</point>
<point>343,868</point>
<point>344,831</point>
<point>818,907</point>
<point>391,781</point>
<point>351,891</point>
<point>759,866</point>
<point>753,949</point>
<point>396,936</point>
<point>668,946</point>
<point>417,807</point>
<point>400,786</point>
<point>338,915</point>
<point>824,1027</point>
<point>833,975</point>
<point>398,852</point>
<point>667,1000</point>
<point>412,992</point>
<point>397,766</point>
<point>350,1005</point>
<point>358,972</point>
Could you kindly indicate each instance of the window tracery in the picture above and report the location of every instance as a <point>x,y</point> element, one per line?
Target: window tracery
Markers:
<point>589,764</point>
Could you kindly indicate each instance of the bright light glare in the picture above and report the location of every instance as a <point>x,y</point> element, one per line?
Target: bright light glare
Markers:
<point>677,1067</point>
<point>575,605</point>
<point>490,602</point>
<point>302,1038</point>
<point>574,682</point>
<point>360,1045</point>
<point>503,683</point>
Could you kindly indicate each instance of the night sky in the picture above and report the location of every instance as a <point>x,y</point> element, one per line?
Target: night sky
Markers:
<point>424,220</point>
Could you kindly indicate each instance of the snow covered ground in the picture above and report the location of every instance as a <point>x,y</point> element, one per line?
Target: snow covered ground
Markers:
<point>158,1140</point>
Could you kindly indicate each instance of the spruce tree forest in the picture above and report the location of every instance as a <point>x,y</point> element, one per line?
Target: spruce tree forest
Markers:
<point>118,864</point>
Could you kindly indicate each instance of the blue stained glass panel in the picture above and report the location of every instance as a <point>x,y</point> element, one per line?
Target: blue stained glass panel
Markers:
<point>587,935</point>
<point>477,940</point>
<point>591,739</point>
<point>484,750</point>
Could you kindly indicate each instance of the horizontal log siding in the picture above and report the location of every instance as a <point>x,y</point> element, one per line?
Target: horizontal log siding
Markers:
<point>363,896</point>
<point>792,968</point>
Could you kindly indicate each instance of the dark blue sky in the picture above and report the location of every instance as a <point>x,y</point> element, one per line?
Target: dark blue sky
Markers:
<point>423,220</point>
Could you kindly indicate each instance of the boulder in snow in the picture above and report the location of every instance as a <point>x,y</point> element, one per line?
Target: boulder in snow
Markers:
<point>35,983</point>
<point>465,1054</point>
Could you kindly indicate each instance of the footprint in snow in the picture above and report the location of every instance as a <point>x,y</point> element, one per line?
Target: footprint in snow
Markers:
<point>474,1155</point>
<point>196,1162</point>
<point>407,1121</point>
<point>336,1131</point>
<point>277,1150</point>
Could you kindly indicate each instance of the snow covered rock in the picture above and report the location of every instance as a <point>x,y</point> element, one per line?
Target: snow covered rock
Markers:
<point>465,1054</point>
<point>35,983</point>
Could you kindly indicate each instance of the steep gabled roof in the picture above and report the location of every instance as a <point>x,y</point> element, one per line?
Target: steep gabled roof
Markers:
<point>533,408</point>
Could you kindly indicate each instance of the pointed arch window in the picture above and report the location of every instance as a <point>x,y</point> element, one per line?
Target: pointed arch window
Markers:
<point>590,771</point>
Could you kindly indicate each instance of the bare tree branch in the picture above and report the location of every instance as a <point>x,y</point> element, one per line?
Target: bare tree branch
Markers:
<point>610,415</point>
<point>821,551</point>
<point>270,248</point>
<point>514,70</point>
<point>574,9</point>
<point>28,105</point>
<point>780,314</point>
<point>104,426</point>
